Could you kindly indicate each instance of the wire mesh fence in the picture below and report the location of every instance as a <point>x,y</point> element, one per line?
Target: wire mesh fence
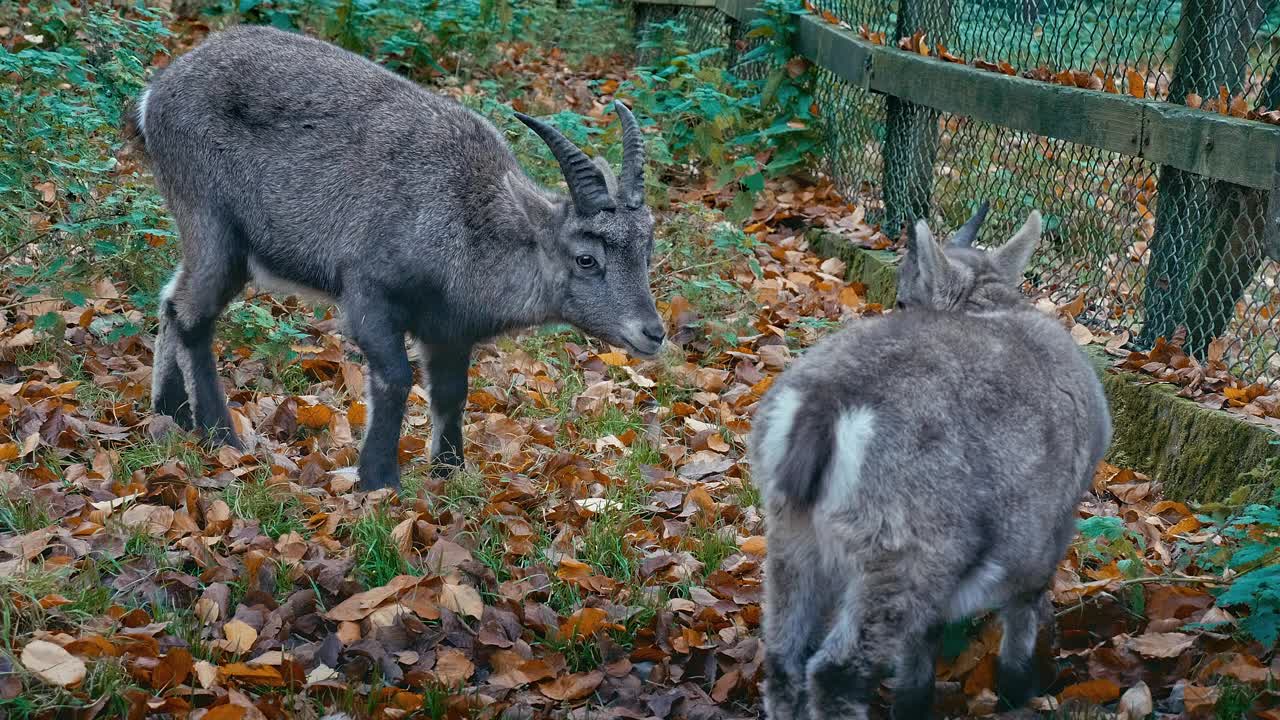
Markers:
<point>1137,246</point>
<point>698,28</point>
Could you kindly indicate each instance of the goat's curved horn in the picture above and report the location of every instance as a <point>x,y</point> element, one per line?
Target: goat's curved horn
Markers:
<point>632,185</point>
<point>586,183</point>
<point>968,232</point>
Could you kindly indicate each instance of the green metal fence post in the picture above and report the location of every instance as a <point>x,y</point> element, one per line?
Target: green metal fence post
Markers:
<point>911,132</point>
<point>1201,262</point>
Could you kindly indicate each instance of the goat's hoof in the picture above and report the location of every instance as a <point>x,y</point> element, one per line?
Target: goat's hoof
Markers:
<point>442,470</point>
<point>224,436</point>
<point>376,479</point>
<point>179,410</point>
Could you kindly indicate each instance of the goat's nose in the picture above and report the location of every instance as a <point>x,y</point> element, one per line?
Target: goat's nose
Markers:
<point>655,331</point>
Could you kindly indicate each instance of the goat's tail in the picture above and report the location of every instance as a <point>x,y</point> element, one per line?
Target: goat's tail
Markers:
<point>803,468</point>
<point>133,125</point>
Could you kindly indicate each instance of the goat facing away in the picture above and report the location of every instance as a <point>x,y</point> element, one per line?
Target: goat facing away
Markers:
<point>918,468</point>
<point>293,163</point>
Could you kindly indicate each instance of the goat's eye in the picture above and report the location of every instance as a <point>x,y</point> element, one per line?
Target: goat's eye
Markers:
<point>586,262</point>
<point>899,305</point>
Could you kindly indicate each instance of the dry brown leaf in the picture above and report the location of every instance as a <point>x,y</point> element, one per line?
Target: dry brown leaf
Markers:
<point>585,622</point>
<point>52,664</point>
<point>358,606</point>
<point>226,712</point>
<point>1136,84</point>
<point>572,687</point>
<point>462,599</point>
<point>1161,645</point>
<point>1097,691</point>
<point>315,417</point>
<point>240,637</point>
<point>453,668</point>
<point>1136,703</point>
<point>206,673</point>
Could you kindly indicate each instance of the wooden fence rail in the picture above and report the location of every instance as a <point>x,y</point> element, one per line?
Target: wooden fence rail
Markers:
<point>1235,150</point>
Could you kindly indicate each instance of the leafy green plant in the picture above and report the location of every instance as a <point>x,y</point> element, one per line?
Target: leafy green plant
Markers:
<point>64,81</point>
<point>1252,552</point>
<point>428,38</point>
<point>755,120</point>
<point>785,97</point>
<point>254,325</point>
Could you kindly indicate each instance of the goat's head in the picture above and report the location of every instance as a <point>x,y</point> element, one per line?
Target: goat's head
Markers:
<point>602,248</point>
<point>958,276</point>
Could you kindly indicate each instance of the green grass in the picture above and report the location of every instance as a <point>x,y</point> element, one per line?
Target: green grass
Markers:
<point>22,512</point>
<point>463,491</point>
<point>378,559</point>
<point>711,545</point>
<point>490,552</point>
<point>152,453</point>
<point>20,610</point>
<point>633,492</point>
<point>1234,700</point>
<point>143,545</point>
<point>293,379</point>
<point>613,421</point>
<point>275,508</point>
<point>107,677</point>
<point>47,349</point>
<point>580,654</point>
<point>605,546</point>
<point>748,495</point>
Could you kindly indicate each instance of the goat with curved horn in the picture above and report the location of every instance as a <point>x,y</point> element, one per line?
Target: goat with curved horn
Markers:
<point>632,186</point>
<point>968,232</point>
<point>586,183</point>
<point>429,227</point>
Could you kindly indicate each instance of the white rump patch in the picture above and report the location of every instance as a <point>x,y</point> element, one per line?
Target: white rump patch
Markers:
<point>779,416</point>
<point>142,109</point>
<point>980,590</point>
<point>166,293</point>
<point>854,431</point>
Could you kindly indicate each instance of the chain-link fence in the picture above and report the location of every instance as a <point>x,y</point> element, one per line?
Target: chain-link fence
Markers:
<point>1146,248</point>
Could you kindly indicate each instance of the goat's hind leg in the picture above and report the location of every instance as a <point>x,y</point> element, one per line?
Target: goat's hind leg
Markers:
<point>795,612</point>
<point>168,388</point>
<point>885,622</point>
<point>1016,680</point>
<point>213,272</point>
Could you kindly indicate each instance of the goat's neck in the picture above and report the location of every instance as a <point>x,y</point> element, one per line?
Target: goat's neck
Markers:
<point>534,286</point>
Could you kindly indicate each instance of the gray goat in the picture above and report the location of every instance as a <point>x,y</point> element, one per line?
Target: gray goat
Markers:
<point>293,163</point>
<point>918,468</point>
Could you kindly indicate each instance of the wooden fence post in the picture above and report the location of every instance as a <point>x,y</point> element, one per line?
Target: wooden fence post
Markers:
<point>910,148</point>
<point>1201,264</point>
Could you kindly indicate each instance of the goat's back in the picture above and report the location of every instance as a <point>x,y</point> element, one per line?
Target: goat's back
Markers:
<point>981,428</point>
<point>295,139</point>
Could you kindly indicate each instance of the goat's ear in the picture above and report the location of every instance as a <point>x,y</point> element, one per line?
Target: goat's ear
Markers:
<point>532,208</point>
<point>1012,257</point>
<point>926,257</point>
<point>610,180</point>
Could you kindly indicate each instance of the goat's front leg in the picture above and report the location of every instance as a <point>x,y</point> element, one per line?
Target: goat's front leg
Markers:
<point>390,378</point>
<point>445,367</point>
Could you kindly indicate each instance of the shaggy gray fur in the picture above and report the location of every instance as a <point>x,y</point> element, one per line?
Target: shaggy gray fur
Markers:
<point>294,163</point>
<point>917,468</point>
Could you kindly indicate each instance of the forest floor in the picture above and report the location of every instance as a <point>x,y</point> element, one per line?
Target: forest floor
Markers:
<point>600,556</point>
